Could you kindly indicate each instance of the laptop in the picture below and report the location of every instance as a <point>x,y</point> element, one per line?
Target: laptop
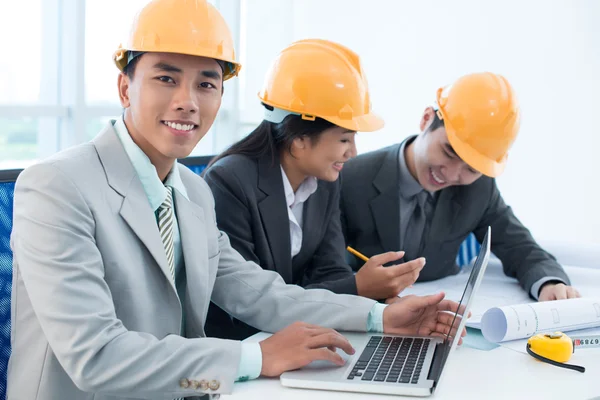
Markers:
<point>392,364</point>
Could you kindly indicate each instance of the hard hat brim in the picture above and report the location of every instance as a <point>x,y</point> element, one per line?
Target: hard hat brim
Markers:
<point>364,123</point>
<point>473,158</point>
<point>120,58</point>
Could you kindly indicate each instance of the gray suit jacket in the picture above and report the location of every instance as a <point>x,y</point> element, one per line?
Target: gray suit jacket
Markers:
<point>370,206</point>
<point>95,314</point>
<point>251,209</point>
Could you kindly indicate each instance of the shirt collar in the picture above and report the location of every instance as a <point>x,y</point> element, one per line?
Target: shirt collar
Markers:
<point>153,187</point>
<point>409,186</point>
<point>305,190</point>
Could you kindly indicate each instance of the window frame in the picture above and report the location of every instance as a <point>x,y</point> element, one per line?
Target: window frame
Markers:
<point>62,109</point>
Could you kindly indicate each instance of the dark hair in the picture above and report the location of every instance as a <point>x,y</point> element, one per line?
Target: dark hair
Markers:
<point>271,138</point>
<point>436,122</point>
<point>129,69</point>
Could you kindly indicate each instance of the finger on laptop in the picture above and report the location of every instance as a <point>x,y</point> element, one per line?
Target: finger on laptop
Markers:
<point>311,326</point>
<point>452,306</point>
<point>448,318</point>
<point>437,334</point>
<point>454,331</point>
<point>331,339</point>
<point>319,330</point>
<point>448,322</point>
<point>325,354</point>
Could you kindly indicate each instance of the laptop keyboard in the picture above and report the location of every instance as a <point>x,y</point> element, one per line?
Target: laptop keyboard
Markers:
<point>391,359</point>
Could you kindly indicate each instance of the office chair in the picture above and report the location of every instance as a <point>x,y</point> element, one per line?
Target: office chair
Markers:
<point>7,189</point>
<point>196,164</point>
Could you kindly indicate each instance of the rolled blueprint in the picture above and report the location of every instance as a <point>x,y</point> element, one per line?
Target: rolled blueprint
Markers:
<point>521,321</point>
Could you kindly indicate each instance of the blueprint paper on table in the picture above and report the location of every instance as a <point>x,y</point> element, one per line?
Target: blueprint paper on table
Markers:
<point>499,290</point>
<point>520,321</point>
<point>475,340</point>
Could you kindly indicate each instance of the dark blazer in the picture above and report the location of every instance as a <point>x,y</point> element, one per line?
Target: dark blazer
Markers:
<point>251,208</point>
<point>370,207</point>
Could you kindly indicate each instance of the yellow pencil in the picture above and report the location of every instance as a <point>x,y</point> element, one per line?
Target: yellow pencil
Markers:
<point>357,254</point>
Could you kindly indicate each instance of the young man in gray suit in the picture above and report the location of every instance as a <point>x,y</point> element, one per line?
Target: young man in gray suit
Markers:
<point>427,194</point>
<point>117,254</point>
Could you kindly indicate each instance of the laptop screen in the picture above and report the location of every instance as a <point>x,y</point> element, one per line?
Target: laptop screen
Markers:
<point>466,299</point>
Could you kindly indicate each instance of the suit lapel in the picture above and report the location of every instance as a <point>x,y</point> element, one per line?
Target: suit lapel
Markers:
<point>135,208</point>
<point>385,207</point>
<point>136,211</point>
<point>274,215</point>
<point>312,222</point>
<point>192,233</point>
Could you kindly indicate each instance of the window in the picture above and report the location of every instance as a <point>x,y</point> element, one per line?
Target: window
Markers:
<point>18,140</point>
<point>107,25</point>
<point>29,112</point>
<point>58,84</point>
<point>20,65</point>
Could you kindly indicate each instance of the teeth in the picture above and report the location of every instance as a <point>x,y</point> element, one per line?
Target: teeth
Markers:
<point>179,127</point>
<point>436,178</point>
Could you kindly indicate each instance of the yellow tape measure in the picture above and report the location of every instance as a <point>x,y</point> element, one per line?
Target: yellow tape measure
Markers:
<point>557,348</point>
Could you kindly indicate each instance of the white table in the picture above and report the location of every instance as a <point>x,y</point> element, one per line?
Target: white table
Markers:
<point>501,373</point>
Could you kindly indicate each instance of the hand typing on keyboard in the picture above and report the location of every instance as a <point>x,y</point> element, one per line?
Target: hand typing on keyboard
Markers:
<point>300,344</point>
<point>423,315</point>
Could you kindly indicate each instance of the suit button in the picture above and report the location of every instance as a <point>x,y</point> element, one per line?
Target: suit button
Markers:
<point>184,383</point>
<point>214,385</point>
<point>194,384</point>
<point>203,384</point>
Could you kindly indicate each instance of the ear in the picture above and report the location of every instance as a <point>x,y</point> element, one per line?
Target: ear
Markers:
<point>426,119</point>
<point>300,142</point>
<point>124,83</point>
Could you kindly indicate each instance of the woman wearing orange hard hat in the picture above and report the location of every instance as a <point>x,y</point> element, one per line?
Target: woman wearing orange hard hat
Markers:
<point>440,186</point>
<point>277,190</point>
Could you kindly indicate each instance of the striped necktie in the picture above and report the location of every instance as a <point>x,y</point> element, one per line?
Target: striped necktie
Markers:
<point>165,227</point>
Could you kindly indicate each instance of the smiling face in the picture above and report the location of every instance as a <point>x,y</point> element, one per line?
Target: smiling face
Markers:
<point>433,162</point>
<point>324,156</point>
<point>170,102</point>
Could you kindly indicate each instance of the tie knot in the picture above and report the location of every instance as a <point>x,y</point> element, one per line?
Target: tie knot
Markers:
<point>168,203</point>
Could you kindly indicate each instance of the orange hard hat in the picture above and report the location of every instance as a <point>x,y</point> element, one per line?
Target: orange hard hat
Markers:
<point>192,27</point>
<point>318,78</point>
<point>482,119</point>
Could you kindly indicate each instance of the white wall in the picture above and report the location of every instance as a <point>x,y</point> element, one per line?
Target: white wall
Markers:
<point>549,51</point>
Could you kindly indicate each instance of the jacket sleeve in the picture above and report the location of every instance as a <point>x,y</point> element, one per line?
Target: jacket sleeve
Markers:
<point>328,268</point>
<point>521,256</point>
<point>232,213</point>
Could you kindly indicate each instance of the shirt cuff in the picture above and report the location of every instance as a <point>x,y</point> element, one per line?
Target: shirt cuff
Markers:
<point>250,362</point>
<point>535,289</point>
<point>375,318</point>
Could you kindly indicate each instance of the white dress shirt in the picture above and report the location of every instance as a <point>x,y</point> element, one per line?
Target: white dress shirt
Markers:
<point>295,207</point>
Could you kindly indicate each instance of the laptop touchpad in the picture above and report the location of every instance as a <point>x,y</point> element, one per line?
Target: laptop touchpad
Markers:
<point>323,364</point>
